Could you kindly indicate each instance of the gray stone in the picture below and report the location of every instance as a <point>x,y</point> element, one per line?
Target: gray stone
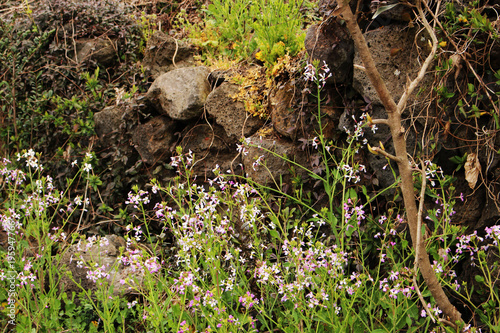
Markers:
<point>396,57</point>
<point>211,146</point>
<point>153,139</point>
<point>231,114</point>
<point>181,93</point>
<point>284,117</point>
<point>274,167</point>
<point>109,120</point>
<point>330,42</point>
<point>103,254</point>
<point>164,53</point>
<point>202,138</point>
<point>103,51</point>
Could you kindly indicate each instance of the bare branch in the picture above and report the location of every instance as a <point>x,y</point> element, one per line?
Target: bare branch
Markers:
<point>378,150</point>
<point>380,121</point>
<point>421,73</point>
<point>404,167</point>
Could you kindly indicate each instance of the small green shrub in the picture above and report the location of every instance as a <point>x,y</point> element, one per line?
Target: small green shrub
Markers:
<point>238,28</point>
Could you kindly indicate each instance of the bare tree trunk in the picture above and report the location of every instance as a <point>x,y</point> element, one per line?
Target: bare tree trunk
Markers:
<point>405,170</point>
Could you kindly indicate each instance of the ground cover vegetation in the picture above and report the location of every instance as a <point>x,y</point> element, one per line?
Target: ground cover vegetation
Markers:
<point>330,254</point>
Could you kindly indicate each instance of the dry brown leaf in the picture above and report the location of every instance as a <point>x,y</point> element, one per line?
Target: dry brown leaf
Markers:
<point>472,169</point>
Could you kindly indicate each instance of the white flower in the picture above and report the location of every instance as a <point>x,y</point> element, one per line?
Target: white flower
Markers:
<point>257,162</point>
<point>78,200</point>
<point>315,142</point>
<point>242,149</point>
<point>397,72</point>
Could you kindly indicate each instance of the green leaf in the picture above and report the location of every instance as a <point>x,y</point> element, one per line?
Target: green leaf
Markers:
<point>352,194</point>
<point>157,170</point>
<point>492,303</point>
<point>479,278</point>
<point>470,88</point>
<point>458,159</point>
<point>365,192</point>
<point>274,234</point>
<point>481,314</point>
<point>94,182</point>
<point>315,176</point>
<point>349,230</point>
<point>382,9</point>
<point>413,313</point>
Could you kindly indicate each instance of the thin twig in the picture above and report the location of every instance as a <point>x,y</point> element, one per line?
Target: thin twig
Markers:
<point>423,70</point>
<point>175,53</point>
<point>462,55</point>
<point>419,239</point>
<point>378,150</point>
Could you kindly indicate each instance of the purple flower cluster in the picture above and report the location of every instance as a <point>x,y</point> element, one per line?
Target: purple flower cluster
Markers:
<point>12,176</point>
<point>206,222</point>
<point>434,310</point>
<point>468,244</point>
<point>11,221</point>
<point>35,203</point>
<point>433,172</point>
<point>493,233</point>
<point>25,276</point>
<point>211,306</point>
<point>473,244</point>
<point>399,283</point>
<point>298,278</point>
<point>98,274</point>
<point>139,198</point>
<point>184,281</point>
<point>133,258</point>
<point>248,300</point>
<point>351,211</point>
